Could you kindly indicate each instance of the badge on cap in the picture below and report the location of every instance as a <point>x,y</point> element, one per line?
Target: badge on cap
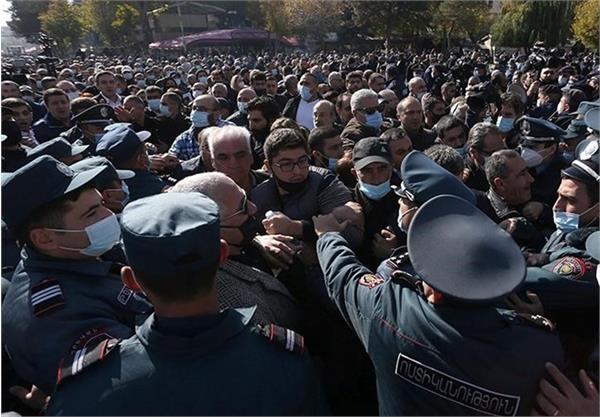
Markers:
<point>103,112</point>
<point>525,127</point>
<point>589,151</point>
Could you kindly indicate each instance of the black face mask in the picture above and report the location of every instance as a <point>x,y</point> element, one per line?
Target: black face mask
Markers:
<point>291,187</point>
<point>249,229</point>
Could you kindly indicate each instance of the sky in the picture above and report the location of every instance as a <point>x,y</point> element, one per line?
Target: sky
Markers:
<point>4,14</point>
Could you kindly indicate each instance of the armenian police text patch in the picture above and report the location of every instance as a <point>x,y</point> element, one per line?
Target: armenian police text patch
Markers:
<point>482,400</point>
<point>370,281</point>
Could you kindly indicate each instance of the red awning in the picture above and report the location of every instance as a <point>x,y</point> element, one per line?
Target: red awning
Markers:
<point>221,37</point>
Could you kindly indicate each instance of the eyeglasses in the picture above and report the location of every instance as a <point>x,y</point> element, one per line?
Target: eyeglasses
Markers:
<point>302,163</point>
<point>243,209</point>
<point>372,110</point>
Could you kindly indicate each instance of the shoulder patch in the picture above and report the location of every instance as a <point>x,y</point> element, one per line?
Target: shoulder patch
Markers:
<point>370,281</point>
<point>572,268</point>
<point>79,359</point>
<point>288,339</point>
<point>46,297</point>
<point>536,321</point>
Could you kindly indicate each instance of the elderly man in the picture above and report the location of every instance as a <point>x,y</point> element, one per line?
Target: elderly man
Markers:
<point>324,114</point>
<point>336,81</point>
<point>239,285</point>
<point>301,108</point>
<point>484,140</point>
<point>231,153</point>
<point>410,114</point>
<point>367,118</point>
<point>417,87</point>
<point>391,101</point>
<point>240,117</point>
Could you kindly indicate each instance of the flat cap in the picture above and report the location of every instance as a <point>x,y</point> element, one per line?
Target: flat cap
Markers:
<point>37,184</point>
<point>120,143</point>
<point>107,176</point>
<point>171,232</point>
<point>57,148</point>
<point>423,179</point>
<point>460,252</point>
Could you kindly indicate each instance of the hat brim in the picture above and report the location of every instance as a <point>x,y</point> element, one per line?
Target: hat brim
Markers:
<point>125,174</point>
<point>144,135</point>
<point>461,252</point>
<point>78,150</point>
<point>363,162</point>
<point>82,178</point>
<point>3,138</point>
<point>592,245</point>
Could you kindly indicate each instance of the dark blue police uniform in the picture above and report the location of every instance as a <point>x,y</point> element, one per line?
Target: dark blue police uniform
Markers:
<point>224,366</point>
<point>457,357</point>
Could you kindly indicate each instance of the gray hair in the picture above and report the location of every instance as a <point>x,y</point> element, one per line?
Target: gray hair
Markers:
<point>446,157</point>
<point>359,96</point>
<point>227,132</point>
<point>496,164</point>
<point>478,133</point>
<point>413,81</point>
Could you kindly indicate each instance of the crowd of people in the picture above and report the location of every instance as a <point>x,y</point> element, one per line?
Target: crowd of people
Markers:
<point>397,232</point>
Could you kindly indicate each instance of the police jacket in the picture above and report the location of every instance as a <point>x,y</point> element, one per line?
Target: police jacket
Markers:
<point>48,128</point>
<point>55,306</point>
<point>437,359</point>
<point>218,362</point>
<point>144,184</point>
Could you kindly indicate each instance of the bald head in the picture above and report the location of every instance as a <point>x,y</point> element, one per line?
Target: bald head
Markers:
<point>215,185</point>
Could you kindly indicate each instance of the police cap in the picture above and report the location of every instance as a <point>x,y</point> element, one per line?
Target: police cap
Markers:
<point>99,114</point>
<point>423,179</point>
<point>369,150</point>
<point>460,252</point>
<point>592,118</point>
<point>584,171</point>
<point>12,132</point>
<point>107,176</point>
<point>57,148</point>
<point>37,184</point>
<point>120,144</point>
<point>577,129</point>
<point>538,130</point>
<point>171,233</point>
<point>586,106</point>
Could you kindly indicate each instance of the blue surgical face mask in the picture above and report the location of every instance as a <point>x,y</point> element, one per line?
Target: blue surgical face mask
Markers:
<point>164,111</point>
<point>305,92</point>
<point>566,222</point>
<point>375,192</point>
<point>154,104</point>
<point>125,189</point>
<point>374,120</point>
<point>199,118</point>
<point>505,124</point>
<point>103,235</point>
<point>331,163</point>
<point>242,107</point>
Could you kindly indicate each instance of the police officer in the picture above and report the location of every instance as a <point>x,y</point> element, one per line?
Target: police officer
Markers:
<point>225,366</point>
<point>126,150</point>
<point>91,123</point>
<point>422,180</point>
<point>62,296</point>
<point>438,344</point>
<point>542,137</point>
<point>60,149</point>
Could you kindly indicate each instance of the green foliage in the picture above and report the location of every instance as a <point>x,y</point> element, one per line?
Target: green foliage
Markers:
<point>126,17</point>
<point>388,18</point>
<point>25,16</point>
<point>61,22</point>
<point>585,23</point>
<point>522,22</point>
<point>455,18</point>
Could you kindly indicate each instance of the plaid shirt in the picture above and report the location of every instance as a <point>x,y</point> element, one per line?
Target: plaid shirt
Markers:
<point>185,146</point>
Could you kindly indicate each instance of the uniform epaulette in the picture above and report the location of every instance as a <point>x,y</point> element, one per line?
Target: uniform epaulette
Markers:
<point>533,320</point>
<point>79,359</point>
<point>399,258</point>
<point>288,339</point>
<point>46,297</point>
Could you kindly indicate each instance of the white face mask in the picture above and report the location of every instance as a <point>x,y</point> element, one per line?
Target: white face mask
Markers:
<point>103,235</point>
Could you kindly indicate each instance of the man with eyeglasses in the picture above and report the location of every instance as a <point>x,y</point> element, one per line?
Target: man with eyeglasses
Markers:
<point>367,120</point>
